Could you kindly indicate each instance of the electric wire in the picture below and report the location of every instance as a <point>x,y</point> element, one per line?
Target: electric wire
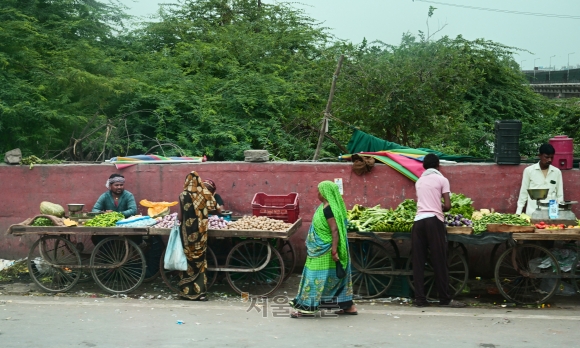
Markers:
<point>550,15</point>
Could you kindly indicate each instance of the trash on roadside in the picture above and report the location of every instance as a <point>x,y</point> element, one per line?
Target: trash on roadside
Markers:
<point>180,322</point>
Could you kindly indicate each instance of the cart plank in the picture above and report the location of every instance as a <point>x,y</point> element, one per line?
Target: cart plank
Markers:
<point>19,230</point>
<point>240,233</point>
<point>546,236</point>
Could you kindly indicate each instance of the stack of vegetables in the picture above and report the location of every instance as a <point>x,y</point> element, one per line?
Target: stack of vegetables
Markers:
<point>401,218</point>
<point>484,217</point>
<point>377,219</point>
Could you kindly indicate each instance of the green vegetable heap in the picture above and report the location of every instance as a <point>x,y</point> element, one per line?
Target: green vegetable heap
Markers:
<point>401,218</point>
<point>383,220</point>
<point>460,204</point>
<point>42,221</point>
<point>480,225</point>
<point>105,220</point>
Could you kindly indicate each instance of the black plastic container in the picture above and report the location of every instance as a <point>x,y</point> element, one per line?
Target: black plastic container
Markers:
<point>507,141</point>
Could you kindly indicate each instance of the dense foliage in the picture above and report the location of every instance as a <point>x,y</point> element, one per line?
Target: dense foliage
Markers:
<point>217,77</point>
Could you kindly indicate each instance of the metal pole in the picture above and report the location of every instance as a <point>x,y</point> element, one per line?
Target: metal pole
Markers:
<point>568,67</point>
<point>522,62</point>
<point>549,71</point>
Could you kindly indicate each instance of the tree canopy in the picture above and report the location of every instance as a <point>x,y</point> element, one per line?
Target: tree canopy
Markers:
<point>217,77</point>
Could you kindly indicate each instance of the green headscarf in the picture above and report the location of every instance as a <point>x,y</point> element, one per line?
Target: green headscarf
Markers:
<point>329,190</point>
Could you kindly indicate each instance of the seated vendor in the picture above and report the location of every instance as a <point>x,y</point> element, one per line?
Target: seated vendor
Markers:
<point>117,198</point>
<point>210,185</point>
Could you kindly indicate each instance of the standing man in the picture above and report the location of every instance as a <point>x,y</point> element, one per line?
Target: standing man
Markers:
<point>429,233</point>
<point>541,175</point>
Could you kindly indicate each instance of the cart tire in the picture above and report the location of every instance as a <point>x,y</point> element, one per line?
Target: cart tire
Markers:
<point>58,251</point>
<point>458,275</point>
<point>123,278</point>
<point>288,254</point>
<point>171,278</point>
<point>253,254</point>
<point>369,256</point>
<point>519,288</point>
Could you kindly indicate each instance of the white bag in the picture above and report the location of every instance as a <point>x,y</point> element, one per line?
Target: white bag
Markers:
<point>175,259</point>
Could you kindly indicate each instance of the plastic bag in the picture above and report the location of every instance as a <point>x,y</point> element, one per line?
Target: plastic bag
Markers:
<point>136,221</point>
<point>175,259</point>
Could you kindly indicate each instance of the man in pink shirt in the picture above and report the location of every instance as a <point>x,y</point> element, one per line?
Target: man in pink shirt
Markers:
<point>429,233</point>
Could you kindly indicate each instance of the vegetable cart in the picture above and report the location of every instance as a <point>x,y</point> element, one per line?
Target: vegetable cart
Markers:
<point>118,265</point>
<point>525,272</point>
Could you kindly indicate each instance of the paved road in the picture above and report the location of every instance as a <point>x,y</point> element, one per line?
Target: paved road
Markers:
<point>111,322</point>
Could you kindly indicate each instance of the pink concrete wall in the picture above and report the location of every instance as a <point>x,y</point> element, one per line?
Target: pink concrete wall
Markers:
<point>22,189</point>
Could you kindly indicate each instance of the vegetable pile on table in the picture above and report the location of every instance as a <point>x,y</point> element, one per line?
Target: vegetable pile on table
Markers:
<point>259,223</point>
<point>457,220</point>
<point>461,205</point>
<point>480,224</point>
<point>377,219</point>
<point>42,221</point>
<point>105,220</point>
<point>167,221</point>
<point>402,217</point>
<point>217,223</point>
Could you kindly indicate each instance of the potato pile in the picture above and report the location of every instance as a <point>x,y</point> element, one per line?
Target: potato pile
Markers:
<point>259,223</point>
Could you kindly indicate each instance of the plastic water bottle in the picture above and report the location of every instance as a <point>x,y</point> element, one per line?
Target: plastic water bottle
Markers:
<point>553,209</point>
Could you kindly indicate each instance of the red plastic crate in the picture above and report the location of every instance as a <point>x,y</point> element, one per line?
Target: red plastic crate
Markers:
<point>280,207</point>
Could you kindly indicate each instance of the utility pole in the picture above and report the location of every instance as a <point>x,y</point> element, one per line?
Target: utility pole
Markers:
<point>324,127</point>
<point>568,67</point>
<point>522,62</point>
<point>549,71</point>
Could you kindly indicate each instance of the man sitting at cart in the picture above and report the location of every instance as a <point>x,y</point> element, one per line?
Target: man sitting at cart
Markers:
<point>116,199</point>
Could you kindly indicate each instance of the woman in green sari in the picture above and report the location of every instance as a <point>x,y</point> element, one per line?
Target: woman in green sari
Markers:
<point>326,245</point>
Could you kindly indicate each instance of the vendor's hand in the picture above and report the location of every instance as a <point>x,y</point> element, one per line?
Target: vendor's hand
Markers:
<point>335,256</point>
<point>108,211</point>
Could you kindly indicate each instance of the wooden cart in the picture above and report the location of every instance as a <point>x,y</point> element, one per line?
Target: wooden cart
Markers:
<point>523,272</point>
<point>63,256</point>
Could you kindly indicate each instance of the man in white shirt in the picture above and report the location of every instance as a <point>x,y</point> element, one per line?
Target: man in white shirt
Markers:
<point>541,175</point>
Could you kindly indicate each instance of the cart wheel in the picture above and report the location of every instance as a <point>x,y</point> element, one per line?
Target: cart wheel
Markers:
<point>458,248</point>
<point>286,250</point>
<point>369,259</point>
<point>520,278</point>
<point>458,274</point>
<point>61,253</point>
<point>171,278</point>
<point>109,275</point>
<point>497,250</point>
<point>82,243</point>
<point>253,254</point>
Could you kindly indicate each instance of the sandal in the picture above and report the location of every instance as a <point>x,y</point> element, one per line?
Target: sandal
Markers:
<point>297,315</point>
<point>343,312</point>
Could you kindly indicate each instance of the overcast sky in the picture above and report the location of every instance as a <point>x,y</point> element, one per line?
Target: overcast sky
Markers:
<point>387,20</point>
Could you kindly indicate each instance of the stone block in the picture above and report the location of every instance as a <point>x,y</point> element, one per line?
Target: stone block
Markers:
<point>256,156</point>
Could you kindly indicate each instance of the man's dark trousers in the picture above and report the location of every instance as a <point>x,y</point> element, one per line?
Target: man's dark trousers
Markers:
<point>430,234</point>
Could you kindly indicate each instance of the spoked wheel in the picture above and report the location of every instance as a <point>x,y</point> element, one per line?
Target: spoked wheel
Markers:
<point>527,274</point>
<point>110,272</point>
<point>458,274</point>
<point>496,252</point>
<point>60,276</point>
<point>370,261</point>
<point>171,278</point>
<point>458,248</point>
<point>286,250</point>
<point>253,254</point>
<point>84,246</point>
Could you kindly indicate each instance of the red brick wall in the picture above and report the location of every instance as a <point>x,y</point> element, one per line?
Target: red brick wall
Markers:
<point>22,189</point>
